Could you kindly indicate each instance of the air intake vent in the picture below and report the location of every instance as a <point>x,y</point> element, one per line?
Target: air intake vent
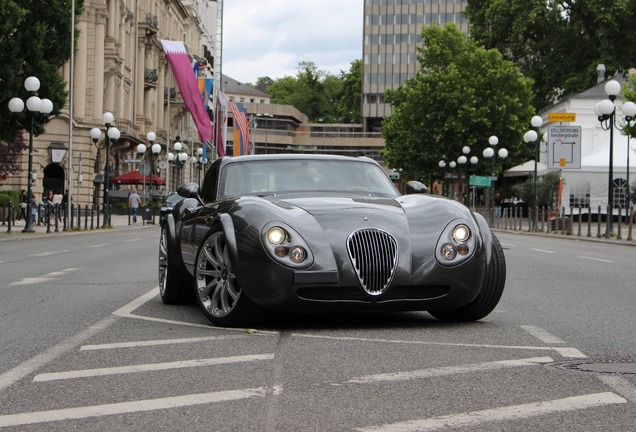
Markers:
<point>373,254</point>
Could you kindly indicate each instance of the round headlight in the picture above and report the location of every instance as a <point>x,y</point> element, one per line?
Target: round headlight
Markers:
<point>276,235</point>
<point>297,254</point>
<point>461,233</point>
<point>448,251</point>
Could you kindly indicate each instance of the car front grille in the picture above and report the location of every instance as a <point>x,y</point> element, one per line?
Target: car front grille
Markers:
<point>373,253</point>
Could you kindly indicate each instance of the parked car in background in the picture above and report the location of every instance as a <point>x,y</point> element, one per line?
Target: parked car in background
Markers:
<point>317,233</point>
<point>166,207</point>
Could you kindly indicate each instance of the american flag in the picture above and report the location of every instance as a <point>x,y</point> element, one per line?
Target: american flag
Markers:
<point>240,122</point>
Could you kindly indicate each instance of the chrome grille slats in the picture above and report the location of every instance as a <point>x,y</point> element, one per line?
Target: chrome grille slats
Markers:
<point>373,253</point>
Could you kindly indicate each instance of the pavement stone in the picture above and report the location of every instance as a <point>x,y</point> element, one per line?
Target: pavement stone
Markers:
<point>118,222</point>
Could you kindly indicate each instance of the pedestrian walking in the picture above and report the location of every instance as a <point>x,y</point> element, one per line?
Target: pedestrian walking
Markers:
<point>23,205</point>
<point>134,201</point>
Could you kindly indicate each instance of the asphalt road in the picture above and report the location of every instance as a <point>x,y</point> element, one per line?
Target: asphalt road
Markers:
<point>88,345</point>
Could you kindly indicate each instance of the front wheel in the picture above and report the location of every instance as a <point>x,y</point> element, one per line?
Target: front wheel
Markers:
<point>218,293</point>
<point>169,283</point>
<point>491,291</point>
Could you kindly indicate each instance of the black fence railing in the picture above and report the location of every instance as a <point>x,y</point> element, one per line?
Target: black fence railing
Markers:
<point>580,221</point>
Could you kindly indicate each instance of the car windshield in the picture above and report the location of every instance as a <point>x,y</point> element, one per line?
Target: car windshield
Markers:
<point>268,177</point>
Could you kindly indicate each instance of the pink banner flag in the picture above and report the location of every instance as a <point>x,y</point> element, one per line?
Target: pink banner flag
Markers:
<point>188,86</point>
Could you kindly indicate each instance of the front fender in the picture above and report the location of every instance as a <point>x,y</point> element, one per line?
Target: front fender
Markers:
<point>230,239</point>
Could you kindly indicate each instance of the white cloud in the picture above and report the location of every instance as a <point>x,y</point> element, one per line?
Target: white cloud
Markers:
<point>270,37</point>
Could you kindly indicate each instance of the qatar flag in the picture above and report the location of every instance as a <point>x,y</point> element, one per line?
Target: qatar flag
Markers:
<point>187,82</point>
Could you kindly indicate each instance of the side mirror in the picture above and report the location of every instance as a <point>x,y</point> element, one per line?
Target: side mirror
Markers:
<point>415,187</point>
<point>189,190</point>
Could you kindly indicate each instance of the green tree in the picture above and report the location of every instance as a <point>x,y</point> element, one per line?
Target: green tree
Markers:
<point>557,43</point>
<point>461,96</point>
<point>323,97</point>
<point>35,40</point>
<point>351,93</point>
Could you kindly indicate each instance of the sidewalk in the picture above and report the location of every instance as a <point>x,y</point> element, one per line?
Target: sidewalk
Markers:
<point>118,222</point>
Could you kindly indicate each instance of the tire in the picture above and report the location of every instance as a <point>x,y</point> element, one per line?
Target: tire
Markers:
<point>169,283</point>
<point>218,293</point>
<point>488,298</point>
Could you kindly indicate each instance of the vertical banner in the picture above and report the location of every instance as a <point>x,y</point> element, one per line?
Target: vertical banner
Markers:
<point>242,126</point>
<point>179,62</point>
<point>221,123</point>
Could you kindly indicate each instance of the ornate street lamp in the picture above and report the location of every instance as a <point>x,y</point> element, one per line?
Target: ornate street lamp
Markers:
<point>489,152</point>
<point>629,111</point>
<point>442,165</point>
<point>532,136</point>
<point>606,113</point>
<point>112,135</point>
<point>35,107</point>
<point>179,160</point>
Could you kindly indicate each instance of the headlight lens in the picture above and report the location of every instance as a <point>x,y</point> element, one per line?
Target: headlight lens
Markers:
<point>276,235</point>
<point>449,251</point>
<point>297,254</point>
<point>285,245</point>
<point>461,233</point>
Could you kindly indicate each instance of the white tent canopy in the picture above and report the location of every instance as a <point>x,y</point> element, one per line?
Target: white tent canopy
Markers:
<point>526,169</point>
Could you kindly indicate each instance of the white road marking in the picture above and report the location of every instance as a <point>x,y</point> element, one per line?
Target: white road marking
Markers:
<point>131,240</point>
<point>449,370</point>
<point>47,277</point>
<point>563,351</point>
<point>512,412</point>
<point>100,245</point>
<point>31,281</point>
<point>620,385</point>
<point>134,406</point>
<point>126,312</point>
<point>155,343</point>
<point>543,335</point>
<point>569,352</point>
<point>119,370</point>
<point>543,250</point>
<point>45,254</point>
<point>34,363</point>
<point>596,259</point>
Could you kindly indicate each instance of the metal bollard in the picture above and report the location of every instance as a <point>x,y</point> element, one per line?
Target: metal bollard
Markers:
<point>589,221</point>
<point>618,233</point>
<point>630,223</point>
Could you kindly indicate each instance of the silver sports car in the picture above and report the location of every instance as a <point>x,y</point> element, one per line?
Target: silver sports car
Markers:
<point>316,233</point>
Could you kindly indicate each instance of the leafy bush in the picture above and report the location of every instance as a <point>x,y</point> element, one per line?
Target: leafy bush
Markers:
<point>547,190</point>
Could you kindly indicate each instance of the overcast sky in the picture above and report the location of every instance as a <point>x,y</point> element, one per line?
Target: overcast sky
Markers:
<point>269,38</point>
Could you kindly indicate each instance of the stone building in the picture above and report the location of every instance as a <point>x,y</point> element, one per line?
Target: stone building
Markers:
<point>120,67</point>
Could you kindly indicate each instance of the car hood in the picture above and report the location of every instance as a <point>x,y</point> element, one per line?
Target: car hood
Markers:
<point>325,206</point>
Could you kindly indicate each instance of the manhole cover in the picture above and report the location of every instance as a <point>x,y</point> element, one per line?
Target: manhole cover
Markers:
<point>610,367</point>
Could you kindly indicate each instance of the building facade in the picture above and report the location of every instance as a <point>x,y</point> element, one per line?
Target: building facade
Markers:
<point>120,67</point>
<point>391,36</point>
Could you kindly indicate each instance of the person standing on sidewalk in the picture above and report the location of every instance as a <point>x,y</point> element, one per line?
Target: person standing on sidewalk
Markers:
<point>134,201</point>
<point>23,205</point>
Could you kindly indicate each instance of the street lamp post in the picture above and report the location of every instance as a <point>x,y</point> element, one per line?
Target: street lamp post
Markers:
<point>489,152</point>
<point>155,149</point>
<point>442,165</point>
<point>629,111</point>
<point>606,112</point>
<point>179,160</point>
<point>474,160</point>
<point>112,135</point>
<point>34,106</point>
<point>532,136</point>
